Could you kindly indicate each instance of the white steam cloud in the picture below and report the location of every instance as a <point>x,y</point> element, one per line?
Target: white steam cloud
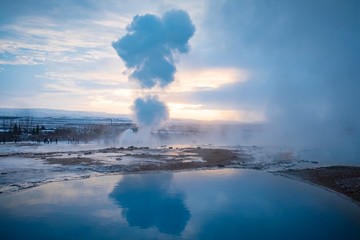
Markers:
<point>147,50</point>
<point>150,111</point>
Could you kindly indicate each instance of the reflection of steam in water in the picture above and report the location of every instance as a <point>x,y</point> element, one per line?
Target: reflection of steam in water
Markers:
<point>146,201</point>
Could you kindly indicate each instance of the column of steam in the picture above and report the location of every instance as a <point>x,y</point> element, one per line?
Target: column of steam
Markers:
<point>147,50</point>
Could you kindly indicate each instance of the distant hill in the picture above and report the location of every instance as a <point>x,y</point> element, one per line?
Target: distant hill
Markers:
<point>45,112</point>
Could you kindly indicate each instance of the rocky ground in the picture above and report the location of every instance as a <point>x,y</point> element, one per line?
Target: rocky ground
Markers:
<point>140,158</point>
<point>28,166</point>
<point>20,170</point>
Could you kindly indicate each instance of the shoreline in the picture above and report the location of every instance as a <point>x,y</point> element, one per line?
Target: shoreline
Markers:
<point>23,170</point>
<point>287,174</point>
<point>342,180</point>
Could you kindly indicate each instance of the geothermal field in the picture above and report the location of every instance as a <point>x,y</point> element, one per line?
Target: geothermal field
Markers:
<point>151,187</point>
<point>231,119</point>
<point>68,148</point>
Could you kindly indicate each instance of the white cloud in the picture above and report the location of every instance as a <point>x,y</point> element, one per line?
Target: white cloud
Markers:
<point>203,113</point>
<point>114,77</point>
<point>207,78</point>
<point>83,72</point>
<point>32,40</point>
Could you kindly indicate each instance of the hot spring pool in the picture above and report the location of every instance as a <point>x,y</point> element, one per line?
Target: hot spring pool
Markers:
<point>208,204</point>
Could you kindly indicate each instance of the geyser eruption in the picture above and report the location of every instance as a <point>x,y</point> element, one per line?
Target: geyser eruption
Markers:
<point>148,52</point>
<point>148,47</point>
<point>149,111</point>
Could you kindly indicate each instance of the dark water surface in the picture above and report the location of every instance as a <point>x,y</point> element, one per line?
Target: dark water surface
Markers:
<point>209,204</point>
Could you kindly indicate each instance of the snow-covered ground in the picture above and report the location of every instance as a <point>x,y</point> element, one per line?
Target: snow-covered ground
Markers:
<point>28,164</point>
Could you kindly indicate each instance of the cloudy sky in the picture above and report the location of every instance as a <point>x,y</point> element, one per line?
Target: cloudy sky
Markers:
<point>249,60</point>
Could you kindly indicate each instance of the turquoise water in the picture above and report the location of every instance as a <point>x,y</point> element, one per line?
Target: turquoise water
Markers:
<point>209,204</point>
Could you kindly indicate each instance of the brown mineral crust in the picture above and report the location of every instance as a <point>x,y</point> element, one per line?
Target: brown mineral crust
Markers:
<point>72,161</point>
<point>211,158</point>
<point>215,156</point>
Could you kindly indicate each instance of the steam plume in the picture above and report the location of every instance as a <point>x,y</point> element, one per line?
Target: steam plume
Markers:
<point>148,47</point>
<point>150,111</point>
<point>147,50</point>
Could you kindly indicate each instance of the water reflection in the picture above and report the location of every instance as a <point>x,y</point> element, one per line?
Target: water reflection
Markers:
<point>147,200</point>
<point>224,204</point>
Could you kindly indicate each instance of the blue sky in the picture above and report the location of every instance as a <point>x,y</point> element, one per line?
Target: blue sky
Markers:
<point>285,62</point>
